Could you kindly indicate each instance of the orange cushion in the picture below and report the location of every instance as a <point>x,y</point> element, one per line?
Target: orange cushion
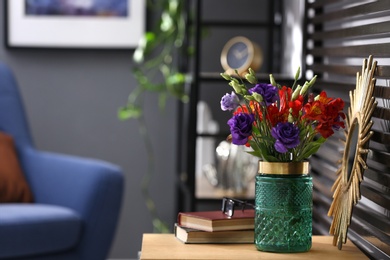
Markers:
<point>13,185</point>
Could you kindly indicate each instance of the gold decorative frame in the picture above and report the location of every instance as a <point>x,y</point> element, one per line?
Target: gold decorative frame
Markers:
<point>346,188</point>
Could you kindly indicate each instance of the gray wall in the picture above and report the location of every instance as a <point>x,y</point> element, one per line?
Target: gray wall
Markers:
<point>71,98</point>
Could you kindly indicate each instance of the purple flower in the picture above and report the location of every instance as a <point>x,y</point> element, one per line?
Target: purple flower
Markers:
<point>267,91</point>
<point>229,101</point>
<point>241,127</point>
<point>286,135</point>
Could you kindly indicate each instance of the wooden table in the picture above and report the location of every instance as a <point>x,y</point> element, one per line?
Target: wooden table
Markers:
<point>166,246</point>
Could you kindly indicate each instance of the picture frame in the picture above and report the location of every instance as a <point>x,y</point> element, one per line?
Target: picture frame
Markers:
<point>108,30</point>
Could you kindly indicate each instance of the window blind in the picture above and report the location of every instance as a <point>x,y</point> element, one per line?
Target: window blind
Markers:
<point>339,35</point>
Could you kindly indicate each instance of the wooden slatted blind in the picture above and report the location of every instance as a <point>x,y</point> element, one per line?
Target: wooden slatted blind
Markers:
<point>340,34</point>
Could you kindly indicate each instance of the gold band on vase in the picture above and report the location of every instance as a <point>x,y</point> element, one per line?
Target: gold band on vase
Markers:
<point>283,168</point>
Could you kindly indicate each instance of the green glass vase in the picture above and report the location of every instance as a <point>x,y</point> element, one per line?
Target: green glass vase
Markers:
<point>283,220</point>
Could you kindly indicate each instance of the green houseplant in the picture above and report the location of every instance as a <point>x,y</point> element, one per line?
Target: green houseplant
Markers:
<point>156,70</point>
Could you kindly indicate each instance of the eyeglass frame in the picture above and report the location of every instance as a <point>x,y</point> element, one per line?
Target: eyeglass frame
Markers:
<point>229,211</point>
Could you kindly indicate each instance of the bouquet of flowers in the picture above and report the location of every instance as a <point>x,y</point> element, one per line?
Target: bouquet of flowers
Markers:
<point>280,123</point>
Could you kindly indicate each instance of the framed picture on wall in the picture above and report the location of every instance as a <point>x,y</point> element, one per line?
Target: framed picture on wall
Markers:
<point>98,24</point>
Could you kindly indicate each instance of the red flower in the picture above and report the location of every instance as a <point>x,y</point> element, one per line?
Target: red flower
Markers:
<point>327,112</point>
<point>285,94</point>
<point>313,110</point>
<point>256,108</point>
<point>273,115</point>
<point>247,143</point>
<point>241,109</point>
<point>280,115</point>
<point>296,106</point>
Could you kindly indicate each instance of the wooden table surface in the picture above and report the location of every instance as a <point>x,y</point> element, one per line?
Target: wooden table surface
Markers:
<point>166,246</point>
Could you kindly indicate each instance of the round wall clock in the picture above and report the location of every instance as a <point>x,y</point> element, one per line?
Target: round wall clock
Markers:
<point>240,54</point>
<point>346,188</point>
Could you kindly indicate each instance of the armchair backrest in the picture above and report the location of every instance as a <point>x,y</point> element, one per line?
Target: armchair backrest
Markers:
<point>12,115</point>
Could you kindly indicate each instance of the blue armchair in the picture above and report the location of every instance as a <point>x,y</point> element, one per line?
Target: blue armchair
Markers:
<point>76,200</point>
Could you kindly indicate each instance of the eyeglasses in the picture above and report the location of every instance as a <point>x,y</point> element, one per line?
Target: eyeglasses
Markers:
<point>229,204</point>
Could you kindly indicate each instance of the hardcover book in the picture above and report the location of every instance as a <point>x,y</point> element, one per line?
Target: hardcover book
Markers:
<point>194,236</point>
<point>217,221</point>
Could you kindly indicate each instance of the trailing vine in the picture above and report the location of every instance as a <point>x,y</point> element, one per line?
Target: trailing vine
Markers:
<point>156,70</point>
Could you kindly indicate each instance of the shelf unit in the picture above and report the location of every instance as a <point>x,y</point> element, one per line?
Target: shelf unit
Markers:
<point>194,192</point>
<point>327,39</point>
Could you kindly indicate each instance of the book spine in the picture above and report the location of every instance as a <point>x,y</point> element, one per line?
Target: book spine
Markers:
<point>179,219</point>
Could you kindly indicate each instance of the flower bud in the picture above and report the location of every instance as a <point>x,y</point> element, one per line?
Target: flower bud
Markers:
<point>257,97</point>
<point>251,78</point>
<point>226,76</point>
<point>313,80</point>
<point>304,89</point>
<point>290,118</point>
<point>297,73</point>
<point>296,93</point>
<point>272,80</point>
<point>236,86</point>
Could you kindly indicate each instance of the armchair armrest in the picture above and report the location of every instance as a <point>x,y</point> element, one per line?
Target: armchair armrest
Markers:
<point>93,188</point>
<point>70,181</point>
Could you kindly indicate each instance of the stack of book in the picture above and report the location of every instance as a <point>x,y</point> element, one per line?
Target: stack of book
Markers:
<point>215,227</point>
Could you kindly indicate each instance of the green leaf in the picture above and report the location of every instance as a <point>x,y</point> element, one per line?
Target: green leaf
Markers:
<point>270,158</point>
<point>140,77</point>
<point>160,226</point>
<point>162,100</point>
<point>138,56</point>
<point>261,150</point>
<point>167,23</point>
<point>190,51</point>
<point>185,98</point>
<point>255,131</point>
<point>175,84</point>
<point>176,78</point>
<point>255,153</point>
<point>311,149</point>
<point>173,6</point>
<point>125,113</point>
<point>145,46</point>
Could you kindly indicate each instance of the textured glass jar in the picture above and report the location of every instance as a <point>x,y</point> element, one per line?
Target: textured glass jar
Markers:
<point>283,220</point>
